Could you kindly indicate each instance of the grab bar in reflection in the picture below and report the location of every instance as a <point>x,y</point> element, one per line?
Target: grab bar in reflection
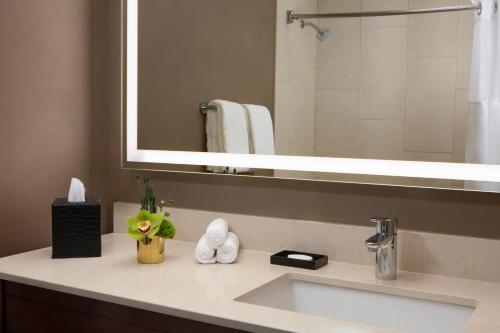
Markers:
<point>205,107</point>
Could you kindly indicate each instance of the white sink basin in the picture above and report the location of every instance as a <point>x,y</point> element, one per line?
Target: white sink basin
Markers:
<point>420,313</point>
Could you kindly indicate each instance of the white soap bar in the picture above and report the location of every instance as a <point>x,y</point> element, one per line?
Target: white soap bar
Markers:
<point>300,257</point>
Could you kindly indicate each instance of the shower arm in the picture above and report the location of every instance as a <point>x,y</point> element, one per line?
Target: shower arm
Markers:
<point>304,24</point>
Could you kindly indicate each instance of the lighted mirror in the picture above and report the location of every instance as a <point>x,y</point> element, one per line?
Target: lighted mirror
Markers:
<point>258,88</point>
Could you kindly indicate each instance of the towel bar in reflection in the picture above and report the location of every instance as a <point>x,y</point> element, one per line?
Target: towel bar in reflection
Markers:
<point>205,107</point>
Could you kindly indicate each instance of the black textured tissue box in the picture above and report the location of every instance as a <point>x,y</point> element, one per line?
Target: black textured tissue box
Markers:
<point>76,228</point>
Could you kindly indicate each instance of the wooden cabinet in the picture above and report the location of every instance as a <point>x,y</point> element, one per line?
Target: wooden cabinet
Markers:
<point>30,309</point>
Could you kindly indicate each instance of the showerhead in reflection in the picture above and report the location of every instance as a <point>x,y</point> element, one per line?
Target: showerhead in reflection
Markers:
<point>321,34</point>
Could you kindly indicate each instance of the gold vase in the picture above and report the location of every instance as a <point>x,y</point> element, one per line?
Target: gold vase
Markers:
<point>152,252</point>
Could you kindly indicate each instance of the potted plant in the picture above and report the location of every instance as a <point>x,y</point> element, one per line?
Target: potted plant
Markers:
<point>149,227</point>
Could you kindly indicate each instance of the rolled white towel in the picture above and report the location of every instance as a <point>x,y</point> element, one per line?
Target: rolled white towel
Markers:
<point>217,232</point>
<point>228,252</point>
<point>204,253</point>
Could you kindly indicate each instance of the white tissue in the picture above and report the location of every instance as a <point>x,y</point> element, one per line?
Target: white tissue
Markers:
<point>76,191</point>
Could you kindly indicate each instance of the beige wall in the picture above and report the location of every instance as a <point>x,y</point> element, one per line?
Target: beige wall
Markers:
<point>193,51</point>
<point>394,87</point>
<point>49,60</point>
<point>45,113</point>
<point>34,174</point>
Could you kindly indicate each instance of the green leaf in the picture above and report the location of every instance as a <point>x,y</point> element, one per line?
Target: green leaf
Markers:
<point>154,232</point>
<point>144,215</point>
<point>132,223</point>
<point>156,219</point>
<point>137,235</point>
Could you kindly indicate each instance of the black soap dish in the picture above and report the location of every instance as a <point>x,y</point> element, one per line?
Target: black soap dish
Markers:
<point>281,258</point>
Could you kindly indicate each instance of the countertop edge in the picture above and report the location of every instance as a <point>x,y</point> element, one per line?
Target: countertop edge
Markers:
<point>166,310</point>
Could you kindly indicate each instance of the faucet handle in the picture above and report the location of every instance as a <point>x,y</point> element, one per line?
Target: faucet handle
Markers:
<point>386,225</point>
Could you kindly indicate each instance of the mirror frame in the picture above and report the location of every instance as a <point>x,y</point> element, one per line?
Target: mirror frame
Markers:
<point>164,160</point>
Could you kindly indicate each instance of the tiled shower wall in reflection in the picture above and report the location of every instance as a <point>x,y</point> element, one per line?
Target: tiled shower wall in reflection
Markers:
<point>391,87</point>
<point>295,93</point>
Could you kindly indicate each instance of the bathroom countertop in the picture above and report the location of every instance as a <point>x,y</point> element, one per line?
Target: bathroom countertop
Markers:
<point>183,288</point>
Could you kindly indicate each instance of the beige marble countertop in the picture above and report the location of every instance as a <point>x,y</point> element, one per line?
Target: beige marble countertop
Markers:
<point>183,288</point>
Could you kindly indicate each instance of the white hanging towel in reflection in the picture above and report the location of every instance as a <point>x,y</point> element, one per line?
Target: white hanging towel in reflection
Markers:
<point>483,128</point>
<point>260,127</point>
<point>227,132</point>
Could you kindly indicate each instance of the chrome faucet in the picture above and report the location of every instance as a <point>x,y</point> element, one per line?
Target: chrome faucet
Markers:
<point>384,243</point>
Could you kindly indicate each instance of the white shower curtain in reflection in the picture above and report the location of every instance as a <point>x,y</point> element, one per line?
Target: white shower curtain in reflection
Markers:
<point>483,128</point>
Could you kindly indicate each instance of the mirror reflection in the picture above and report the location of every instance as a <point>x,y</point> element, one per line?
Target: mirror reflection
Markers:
<point>241,77</point>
